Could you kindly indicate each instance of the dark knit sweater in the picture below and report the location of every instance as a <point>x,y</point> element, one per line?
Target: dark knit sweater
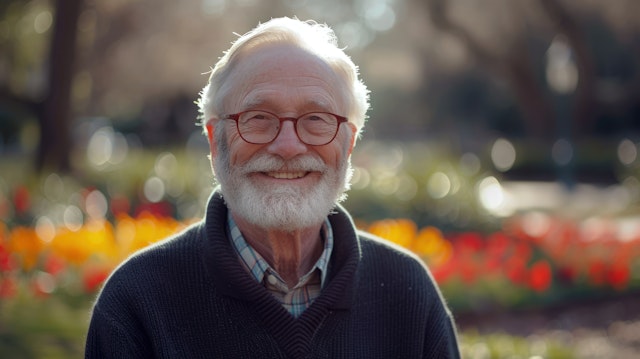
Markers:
<point>189,297</point>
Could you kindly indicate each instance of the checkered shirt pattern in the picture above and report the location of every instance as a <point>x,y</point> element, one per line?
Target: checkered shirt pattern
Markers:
<point>295,300</point>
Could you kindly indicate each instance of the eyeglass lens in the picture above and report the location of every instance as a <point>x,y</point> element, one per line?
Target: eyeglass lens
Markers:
<point>263,127</point>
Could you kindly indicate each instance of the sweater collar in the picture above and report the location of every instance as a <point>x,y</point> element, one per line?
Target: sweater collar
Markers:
<point>231,279</point>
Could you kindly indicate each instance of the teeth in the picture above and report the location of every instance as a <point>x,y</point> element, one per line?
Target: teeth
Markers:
<point>286,175</point>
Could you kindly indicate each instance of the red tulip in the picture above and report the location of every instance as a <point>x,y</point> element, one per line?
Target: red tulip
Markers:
<point>93,278</point>
<point>21,200</point>
<point>54,265</point>
<point>540,276</point>
<point>6,262</point>
<point>618,275</point>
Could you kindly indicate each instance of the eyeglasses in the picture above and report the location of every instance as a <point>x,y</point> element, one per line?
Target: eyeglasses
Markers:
<point>261,127</point>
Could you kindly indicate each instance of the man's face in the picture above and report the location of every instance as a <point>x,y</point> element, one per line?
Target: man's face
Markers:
<point>284,184</point>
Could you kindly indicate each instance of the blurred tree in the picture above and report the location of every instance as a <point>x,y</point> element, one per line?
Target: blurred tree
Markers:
<point>55,142</point>
<point>567,24</point>
<point>21,51</point>
<point>41,74</point>
<point>426,62</point>
<point>512,39</point>
<point>510,60</point>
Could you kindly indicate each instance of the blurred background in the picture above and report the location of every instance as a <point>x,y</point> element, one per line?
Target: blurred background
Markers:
<point>501,147</point>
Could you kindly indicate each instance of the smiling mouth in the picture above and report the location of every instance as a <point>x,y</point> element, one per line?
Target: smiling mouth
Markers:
<point>286,175</point>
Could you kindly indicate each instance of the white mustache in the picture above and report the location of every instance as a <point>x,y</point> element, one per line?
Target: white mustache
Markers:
<point>269,163</point>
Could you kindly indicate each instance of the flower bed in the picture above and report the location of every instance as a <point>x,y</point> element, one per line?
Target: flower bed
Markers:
<point>535,260</point>
<point>50,271</point>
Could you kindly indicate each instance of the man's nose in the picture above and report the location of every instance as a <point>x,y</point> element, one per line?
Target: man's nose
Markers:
<point>287,144</point>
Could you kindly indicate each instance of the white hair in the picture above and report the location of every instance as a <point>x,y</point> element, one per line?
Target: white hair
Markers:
<point>318,39</point>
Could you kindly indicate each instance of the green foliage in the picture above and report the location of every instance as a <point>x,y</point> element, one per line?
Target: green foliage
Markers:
<point>42,327</point>
<point>501,345</point>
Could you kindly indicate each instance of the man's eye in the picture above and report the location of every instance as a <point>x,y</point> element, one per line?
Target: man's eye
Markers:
<point>317,118</point>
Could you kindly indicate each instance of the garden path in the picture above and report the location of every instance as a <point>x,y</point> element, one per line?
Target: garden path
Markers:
<point>603,328</point>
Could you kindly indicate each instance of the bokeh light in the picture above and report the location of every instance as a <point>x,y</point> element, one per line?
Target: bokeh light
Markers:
<point>438,185</point>
<point>561,72</point>
<point>45,229</point>
<point>107,147</point>
<point>53,187</point>
<point>627,152</point>
<point>96,205</point>
<point>73,218</point>
<point>470,164</point>
<point>166,165</point>
<point>43,22</point>
<point>360,179</point>
<point>154,189</point>
<point>503,154</point>
<point>562,152</point>
<point>490,193</point>
<point>378,14</point>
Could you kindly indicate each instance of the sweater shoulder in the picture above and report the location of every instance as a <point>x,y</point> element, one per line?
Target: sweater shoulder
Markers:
<point>158,261</point>
<point>384,259</point>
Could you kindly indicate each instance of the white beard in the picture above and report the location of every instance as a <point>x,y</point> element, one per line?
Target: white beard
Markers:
<point>281,207</point>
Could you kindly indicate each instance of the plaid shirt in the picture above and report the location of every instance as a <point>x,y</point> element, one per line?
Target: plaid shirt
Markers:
<point>298,298</point>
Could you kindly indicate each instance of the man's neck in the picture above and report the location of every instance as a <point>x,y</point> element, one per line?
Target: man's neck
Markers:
<point>291,253</point>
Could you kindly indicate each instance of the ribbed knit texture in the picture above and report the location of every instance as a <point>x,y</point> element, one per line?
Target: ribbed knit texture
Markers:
<point>189,297</point>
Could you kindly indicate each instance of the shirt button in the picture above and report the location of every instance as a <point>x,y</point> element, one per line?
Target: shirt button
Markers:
<point>272,279</point>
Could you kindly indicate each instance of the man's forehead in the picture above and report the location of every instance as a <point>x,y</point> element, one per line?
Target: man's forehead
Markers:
<point>258,69</point>
<point>259,99</point>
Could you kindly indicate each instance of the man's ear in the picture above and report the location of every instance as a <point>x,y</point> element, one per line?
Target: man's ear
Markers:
<point>210,127</point>
<point>354,134</point>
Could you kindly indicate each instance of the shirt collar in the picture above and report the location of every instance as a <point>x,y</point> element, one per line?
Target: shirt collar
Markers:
<point>258,266</point>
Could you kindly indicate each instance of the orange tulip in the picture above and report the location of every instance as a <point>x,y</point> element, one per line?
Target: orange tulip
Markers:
<point>27,245</point>
<point>399,231</point>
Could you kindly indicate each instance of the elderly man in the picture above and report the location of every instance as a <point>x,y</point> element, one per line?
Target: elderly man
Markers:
<point>276,269</point>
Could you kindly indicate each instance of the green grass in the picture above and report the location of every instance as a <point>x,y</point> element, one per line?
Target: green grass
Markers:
<point>49,328</point>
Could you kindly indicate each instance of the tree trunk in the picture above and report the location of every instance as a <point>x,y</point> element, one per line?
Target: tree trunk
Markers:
<point>55,145</point>
<point>514,67</point>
